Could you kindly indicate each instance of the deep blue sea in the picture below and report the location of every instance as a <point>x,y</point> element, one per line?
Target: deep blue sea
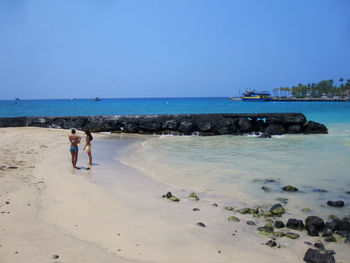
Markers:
<point>231,166</point>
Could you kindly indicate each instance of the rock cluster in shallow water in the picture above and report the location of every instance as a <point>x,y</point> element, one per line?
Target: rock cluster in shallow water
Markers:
<point>265,124</point>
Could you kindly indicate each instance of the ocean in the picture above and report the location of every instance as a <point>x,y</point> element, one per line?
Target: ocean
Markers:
<point>231,166</point>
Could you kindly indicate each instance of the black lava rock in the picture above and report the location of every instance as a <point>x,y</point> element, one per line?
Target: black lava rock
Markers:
<point>311,230</point>
<point>196,209</point>
<point>295,224</point>
<point>315,256</point>
<point>314,225</point>
<point>275,129</point>
<point>215,205</point>
<point>335,203</point>
<point>168,195</point>
<point>279,224</point>
<point>314,127</point>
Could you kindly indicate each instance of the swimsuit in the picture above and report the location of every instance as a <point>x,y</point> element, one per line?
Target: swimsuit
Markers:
<point>74,148</point>
<point>88,148</point>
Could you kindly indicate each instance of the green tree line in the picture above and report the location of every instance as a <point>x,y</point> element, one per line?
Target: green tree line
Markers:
<point>315,90</point>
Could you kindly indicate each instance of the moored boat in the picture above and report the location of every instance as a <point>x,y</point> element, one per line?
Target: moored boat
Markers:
<point>256,96</point>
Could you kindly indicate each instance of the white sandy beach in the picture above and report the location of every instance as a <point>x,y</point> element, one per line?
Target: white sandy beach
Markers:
<point>49,209</point>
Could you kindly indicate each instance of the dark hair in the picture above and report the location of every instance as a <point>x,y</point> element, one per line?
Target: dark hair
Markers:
<point>87,132</point>
<point>73,131</point>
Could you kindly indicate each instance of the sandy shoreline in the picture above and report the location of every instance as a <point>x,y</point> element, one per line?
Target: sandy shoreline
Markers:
<point>55,210</point>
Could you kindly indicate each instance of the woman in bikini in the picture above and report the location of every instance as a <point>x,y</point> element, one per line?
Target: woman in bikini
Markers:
<point>87,146</point>
<point>74,140</point>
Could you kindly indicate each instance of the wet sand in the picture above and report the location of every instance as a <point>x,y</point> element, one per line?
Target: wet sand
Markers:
<point>115,213</point>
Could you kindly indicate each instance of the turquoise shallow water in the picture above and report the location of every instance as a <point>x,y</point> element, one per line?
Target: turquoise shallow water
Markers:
<point>232,166</point>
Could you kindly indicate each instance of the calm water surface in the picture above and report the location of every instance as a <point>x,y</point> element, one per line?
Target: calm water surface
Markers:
<point>235,166</point>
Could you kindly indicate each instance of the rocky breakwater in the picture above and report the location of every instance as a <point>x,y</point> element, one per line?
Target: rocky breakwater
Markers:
<point>178,124</point>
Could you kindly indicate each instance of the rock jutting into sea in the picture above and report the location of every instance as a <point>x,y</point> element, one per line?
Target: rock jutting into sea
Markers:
<point>178,124</point>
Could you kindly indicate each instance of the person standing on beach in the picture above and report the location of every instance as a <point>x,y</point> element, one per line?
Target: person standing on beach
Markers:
<point>87,146</point>
<point>74,140</point>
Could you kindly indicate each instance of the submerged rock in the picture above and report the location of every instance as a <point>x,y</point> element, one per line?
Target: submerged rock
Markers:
<point>335,203</point>
<point>320,191</point>
<point>282,200</point>
<point>265,188</point>
<point>315,256</point>
<point>290,188</point>
<point>295,224</point>
<point>233,219</point>
<point>306,209</point>
<point>194,196</point>
<point>277,209</point>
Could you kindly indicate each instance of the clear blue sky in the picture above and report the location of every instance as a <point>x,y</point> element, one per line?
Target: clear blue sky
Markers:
<point>168,48</point>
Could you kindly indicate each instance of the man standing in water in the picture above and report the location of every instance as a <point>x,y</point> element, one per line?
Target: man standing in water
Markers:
<point>74,140</point>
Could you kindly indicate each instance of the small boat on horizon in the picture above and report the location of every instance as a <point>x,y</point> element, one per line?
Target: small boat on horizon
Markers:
<point>97,99</point>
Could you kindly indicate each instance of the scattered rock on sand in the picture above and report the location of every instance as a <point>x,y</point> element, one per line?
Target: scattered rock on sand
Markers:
<point>314,225</point>
<point>278,234</point>
<point>319,245</point>
<point>271,243</point>
<point>290,188</point>
<point>233,219</point>
<point>335,203</point>
<point>295,224</point>
<point>55,256</point>
<point>251,223</point>
<point>292,235</point>
<point>215,205</point>
<point>12,167</point>
<point>194,196</point>
<point>307,210</point>
<point>279,224</point>
<point>243,211</point>
<point>228,208</point>
<point>315,256</point>
<point>195,209</point>
<point>171,197</point>
<point>330,239</point>
<point>201,224</point>
<point>277,209</point>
